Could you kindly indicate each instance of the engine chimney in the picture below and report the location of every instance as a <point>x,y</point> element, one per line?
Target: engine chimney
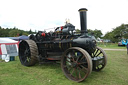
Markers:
<point>83,21</point>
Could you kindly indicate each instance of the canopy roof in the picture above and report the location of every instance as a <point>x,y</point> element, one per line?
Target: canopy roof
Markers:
<point>7,40</point>
<point>23,37</point>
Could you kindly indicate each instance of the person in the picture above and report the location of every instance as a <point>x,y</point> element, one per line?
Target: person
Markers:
<point>127,48</point>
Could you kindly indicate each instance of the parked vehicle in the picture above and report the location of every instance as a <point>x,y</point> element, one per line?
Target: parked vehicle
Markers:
<point>123,42</point>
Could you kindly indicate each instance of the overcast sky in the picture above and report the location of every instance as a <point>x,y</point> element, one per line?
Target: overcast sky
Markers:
<point>43,14</point>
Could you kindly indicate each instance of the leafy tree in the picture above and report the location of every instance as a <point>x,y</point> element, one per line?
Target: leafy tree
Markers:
<point>109,35</point>
<point>30,31</point>
<point>14,28</point>
<point>14,33</point>
<point>117,33</point>
<point>96,33</point>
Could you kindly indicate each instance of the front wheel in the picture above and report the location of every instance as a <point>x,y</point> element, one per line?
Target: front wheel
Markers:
<point>76,64</point>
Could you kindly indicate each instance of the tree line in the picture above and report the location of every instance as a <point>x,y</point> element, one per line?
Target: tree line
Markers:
<point>13,32</point>
<point>118,33</point>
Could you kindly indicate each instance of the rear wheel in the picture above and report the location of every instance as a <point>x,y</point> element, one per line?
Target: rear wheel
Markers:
<point>76,64</point>
<point>28,52</point>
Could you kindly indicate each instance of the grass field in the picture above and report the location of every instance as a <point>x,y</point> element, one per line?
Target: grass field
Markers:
<point>115,73</point>
<point>111,45</point>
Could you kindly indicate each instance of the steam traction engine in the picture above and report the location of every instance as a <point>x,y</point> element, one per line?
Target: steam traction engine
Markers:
<point>78,52</point>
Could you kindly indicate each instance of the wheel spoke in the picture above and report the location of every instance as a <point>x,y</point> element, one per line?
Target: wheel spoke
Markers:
<point>79,73</point>
<point>69,69</point>
<point>84,67</point>
<point>76,73</point>
<point>77,59</point>
<point>72,56</point>
<point>83,63</point>
<point>68,60</point>
<point>93,54</point>
<point>68,56</point>
<point>28,59</point>
<point>25,61</point>
<point>82,70</point>
<point>82,58</point>
<point>96,52</point>
<point>73,71</point>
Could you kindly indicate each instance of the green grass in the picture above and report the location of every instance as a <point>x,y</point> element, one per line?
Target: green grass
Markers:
<point>115,73</point>
<point>111,45</point>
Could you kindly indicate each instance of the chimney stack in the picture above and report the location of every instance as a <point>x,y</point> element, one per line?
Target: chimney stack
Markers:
<point>83,19</point>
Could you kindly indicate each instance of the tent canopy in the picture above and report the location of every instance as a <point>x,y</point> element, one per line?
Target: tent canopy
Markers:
<point>23,37</point>
<point>7,40</point>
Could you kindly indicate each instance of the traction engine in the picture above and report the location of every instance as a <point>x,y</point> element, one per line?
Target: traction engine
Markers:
<point>77,51</point>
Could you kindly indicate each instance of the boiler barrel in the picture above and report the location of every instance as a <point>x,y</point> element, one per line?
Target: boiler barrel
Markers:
<point>83,19</point>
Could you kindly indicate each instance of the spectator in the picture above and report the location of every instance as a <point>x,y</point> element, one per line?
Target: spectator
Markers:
<point>127,48</point>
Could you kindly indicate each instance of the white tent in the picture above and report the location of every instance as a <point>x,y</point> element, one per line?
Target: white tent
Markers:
<point>8,47</point>
<point>7,40</point>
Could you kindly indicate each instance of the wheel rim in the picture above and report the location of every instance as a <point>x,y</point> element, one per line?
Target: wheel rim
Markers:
<point>76,64</point>
<point>99,52</point>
